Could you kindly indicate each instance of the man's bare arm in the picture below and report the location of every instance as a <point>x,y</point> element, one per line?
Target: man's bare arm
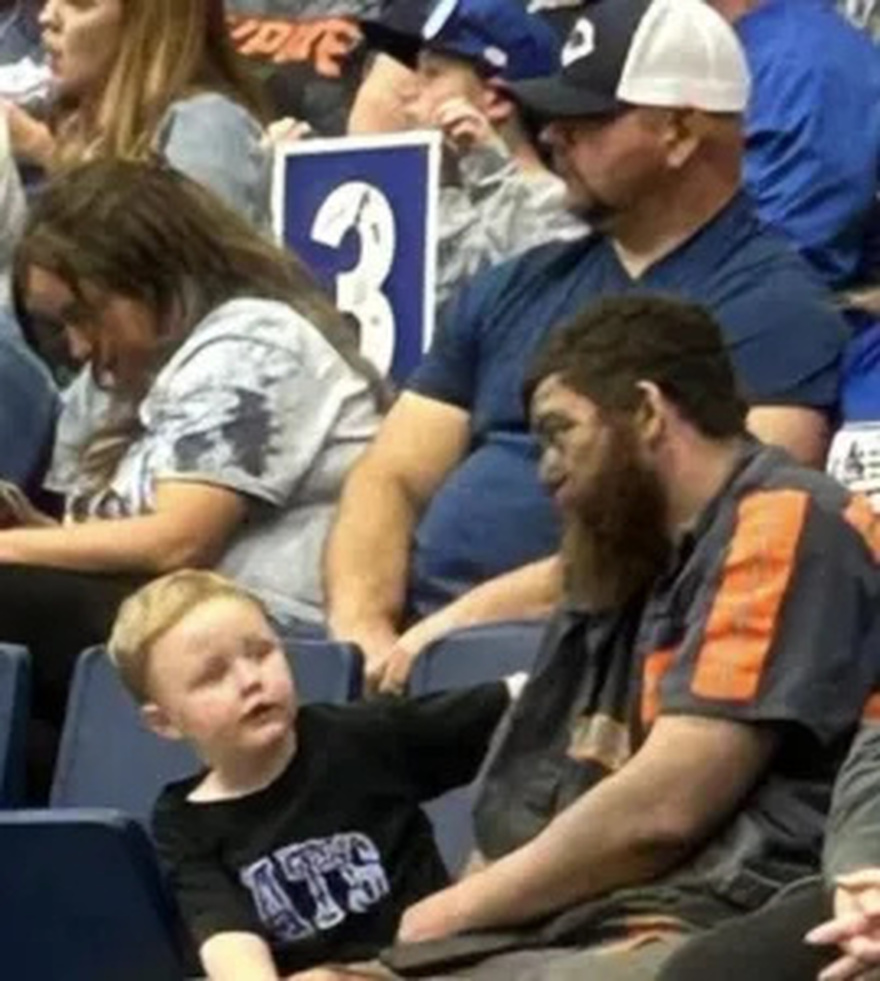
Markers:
<point>367,556</point>
<point>528,593</point>
<point>686,780</point>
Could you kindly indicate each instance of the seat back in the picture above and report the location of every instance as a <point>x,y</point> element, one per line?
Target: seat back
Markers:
<point>108,757</point>
<point>83,900</point>
<point>470,657</point>
<point>14,708</point>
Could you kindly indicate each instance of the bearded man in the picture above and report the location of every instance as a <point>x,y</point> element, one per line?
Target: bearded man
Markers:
<point>670,762</point>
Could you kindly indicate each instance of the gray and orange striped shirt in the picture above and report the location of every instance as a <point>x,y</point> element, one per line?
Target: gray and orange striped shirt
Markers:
<point>769,614</point>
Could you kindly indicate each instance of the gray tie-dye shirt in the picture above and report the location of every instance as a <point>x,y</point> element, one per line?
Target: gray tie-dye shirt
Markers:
<point>257,401</point>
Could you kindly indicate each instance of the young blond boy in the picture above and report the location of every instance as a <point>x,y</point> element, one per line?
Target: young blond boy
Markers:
<point>302,842</point>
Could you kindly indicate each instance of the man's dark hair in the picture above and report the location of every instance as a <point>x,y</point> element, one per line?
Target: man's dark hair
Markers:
<point>613,345</point>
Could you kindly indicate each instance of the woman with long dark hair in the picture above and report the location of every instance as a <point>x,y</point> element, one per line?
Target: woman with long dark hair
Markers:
<point>237,402</point>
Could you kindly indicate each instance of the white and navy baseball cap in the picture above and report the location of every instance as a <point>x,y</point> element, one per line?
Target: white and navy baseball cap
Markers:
<point>623,53</point>
<point>499,37</point>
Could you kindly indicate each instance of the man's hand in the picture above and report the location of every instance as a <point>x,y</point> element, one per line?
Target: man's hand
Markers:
<point>377,643</point>
<point>855,927</point>
<point>437,916</point>
<point>465,127</point>
<point>406,650</point>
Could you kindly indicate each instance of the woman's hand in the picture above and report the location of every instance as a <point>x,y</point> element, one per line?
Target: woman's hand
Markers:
<point>16,511</point>
<point>31,140</point>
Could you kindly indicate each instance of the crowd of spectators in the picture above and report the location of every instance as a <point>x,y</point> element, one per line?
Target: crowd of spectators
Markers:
<point>650,416</point>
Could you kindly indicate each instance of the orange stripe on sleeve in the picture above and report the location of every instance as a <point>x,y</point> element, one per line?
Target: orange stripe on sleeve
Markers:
<point>656,666</point>
<point>871,712</point>
<point>754,580</point>
<point>866,522</point>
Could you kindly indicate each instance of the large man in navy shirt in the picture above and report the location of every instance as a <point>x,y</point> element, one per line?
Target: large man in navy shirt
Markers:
<point>445,518</point>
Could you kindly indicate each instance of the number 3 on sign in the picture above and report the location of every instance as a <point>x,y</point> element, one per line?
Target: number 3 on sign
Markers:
<point>365,209</point>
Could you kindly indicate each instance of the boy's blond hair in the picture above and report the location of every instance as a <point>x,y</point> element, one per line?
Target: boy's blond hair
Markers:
<point>158,607</point>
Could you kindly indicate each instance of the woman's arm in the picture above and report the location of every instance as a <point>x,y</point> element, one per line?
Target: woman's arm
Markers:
<point>190,526</point>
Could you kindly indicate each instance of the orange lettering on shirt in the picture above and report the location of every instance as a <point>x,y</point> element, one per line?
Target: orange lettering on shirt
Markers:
<point>655,668</point>
<point>268,38</point>
<point>754,580</point>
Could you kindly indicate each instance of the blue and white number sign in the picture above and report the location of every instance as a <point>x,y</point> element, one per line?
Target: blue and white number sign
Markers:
<point>361,212</point>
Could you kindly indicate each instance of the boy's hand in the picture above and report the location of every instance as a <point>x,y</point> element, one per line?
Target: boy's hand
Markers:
<point>464,126</point>
<point>855,927</point>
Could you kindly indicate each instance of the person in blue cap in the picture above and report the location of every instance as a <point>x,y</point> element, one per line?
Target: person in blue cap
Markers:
<point>498,199</point>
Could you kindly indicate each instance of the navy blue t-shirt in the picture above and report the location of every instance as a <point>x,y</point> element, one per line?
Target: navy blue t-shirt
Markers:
<point>492,515</point>
<point>812,163</point>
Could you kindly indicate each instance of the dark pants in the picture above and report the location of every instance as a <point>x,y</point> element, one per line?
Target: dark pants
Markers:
<point>55,614</point>
<point>767,945</point>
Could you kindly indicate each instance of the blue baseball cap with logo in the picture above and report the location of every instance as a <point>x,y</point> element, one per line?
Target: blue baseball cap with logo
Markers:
<point>501,38</point>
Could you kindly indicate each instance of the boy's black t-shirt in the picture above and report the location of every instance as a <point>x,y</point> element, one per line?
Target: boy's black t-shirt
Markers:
<point>323,862</point>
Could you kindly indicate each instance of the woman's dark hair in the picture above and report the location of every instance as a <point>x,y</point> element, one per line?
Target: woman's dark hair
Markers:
<point>609,348</point>
<point>150,234</point>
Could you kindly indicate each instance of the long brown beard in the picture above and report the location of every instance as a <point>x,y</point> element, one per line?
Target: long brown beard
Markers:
<point>615,543</point>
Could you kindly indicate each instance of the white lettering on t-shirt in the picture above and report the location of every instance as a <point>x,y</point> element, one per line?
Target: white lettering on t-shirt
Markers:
<point>276,911</point>
<point>341,875</point>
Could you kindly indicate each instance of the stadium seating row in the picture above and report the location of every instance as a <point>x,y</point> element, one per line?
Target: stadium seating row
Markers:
<point>83,897</point>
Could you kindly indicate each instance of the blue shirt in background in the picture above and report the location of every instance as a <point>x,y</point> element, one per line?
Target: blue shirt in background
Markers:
<point>813,131</point>
<point>492,515</point>
<point>29,406</point>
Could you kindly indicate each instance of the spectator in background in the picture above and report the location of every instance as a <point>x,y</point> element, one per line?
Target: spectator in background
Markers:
<point>237,404</point>
<point>650,142</point>
<point>812,163</point>
<point>24,75</point>
<point>498,198</point>
<point>136,78</point>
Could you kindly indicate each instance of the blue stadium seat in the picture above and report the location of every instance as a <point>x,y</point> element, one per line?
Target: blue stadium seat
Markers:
<point>470,657</point>
<point>83,900</point>
<point>108,758</point>
<point>14,708</point>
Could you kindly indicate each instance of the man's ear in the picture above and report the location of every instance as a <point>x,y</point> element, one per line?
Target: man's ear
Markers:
<point>683,136</point>
<point>156,718</point>
<point>651,414</point>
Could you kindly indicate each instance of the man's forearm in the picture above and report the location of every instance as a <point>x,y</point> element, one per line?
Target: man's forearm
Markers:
<point>528,593</point>
<point>366,562</point>
<point>633,826</point>
<point>611,838</point>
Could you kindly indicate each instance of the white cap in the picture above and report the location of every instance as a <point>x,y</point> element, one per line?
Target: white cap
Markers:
<point>673,53</point>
